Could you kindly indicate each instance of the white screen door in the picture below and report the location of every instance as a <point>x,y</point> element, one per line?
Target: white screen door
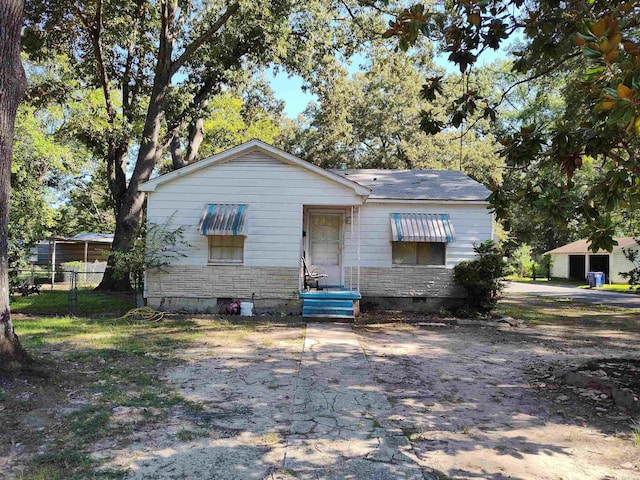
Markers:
<point>325,245</point>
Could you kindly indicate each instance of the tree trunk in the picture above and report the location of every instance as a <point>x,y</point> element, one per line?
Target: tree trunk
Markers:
<point>12,86</point>
<point>129,214</point>
<point>130,204</point>
<point>175,147</point>
<point>196,136</point>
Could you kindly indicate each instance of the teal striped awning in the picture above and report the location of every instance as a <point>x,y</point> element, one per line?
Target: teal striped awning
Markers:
<point>421,227</point>
<point>223,219</point>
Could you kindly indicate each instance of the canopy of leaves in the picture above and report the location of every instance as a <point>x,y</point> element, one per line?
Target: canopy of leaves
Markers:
<point>45,161</point>
<point>371,119</point>
<point>595,48</point>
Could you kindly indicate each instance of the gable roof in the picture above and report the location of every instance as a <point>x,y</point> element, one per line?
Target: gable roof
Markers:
<point>253,145</point>
<point>418,184</point>
<point>582,246</point>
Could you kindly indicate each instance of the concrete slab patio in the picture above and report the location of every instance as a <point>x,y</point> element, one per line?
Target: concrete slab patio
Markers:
<point>339,424</point>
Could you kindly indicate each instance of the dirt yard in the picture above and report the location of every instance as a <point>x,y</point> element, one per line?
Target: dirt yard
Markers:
<point>215,401</point>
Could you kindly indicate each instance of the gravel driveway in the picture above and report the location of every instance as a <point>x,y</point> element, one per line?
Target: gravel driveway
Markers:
<point>575,294</point>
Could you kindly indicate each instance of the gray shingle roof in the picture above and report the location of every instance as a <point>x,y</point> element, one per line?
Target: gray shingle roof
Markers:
<point>417,184</point>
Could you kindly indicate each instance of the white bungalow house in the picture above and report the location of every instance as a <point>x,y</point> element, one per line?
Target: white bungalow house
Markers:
<point>574,260</point>
<point>254,215</point>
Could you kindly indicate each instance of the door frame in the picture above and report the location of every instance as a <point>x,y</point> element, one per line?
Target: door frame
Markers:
<point>307,229</point>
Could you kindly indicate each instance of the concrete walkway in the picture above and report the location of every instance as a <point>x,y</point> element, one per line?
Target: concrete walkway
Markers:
<point>340,427</point>
<point>575,294</point>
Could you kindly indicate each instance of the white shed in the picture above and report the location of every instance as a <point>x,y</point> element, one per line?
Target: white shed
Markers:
<point>574,260</point>
<point>254,216</point>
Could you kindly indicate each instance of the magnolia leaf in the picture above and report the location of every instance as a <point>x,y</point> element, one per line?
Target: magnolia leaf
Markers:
<point>605,105</point>
<point>624,92</point>
<point>591,53</point>
<point>611,56</point>
<point>599,27</point>
<point>631,48</point>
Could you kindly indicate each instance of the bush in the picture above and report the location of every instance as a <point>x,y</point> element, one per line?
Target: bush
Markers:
<point>522,263</point>
<point>155,248</point>
<point>633,255</point>
<point>482,278</point>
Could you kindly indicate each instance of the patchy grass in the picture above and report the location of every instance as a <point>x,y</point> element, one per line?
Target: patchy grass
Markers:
<point>186,435</point>
<point>635,426</point>
<point>545,281</point>
<point>552,311</point>
<point>87,370</point>
<point>57,302</point>
<point>616,287</point>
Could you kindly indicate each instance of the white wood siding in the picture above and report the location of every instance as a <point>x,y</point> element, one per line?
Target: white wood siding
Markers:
<point>560,266</point>
<point>618,264</point>
<point>274,192</point>
<point>471,224</point>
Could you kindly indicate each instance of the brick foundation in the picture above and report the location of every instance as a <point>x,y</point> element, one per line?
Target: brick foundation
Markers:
<point>204,288</point>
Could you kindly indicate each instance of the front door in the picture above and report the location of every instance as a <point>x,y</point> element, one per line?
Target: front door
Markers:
<point>325,245</point>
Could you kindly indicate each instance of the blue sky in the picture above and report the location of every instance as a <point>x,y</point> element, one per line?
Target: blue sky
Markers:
<point>289,89</point>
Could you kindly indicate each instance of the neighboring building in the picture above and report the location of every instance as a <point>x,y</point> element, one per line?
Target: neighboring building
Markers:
<point>574,260</point>
<point>91,249</point>
<point>253,212</point>
<point>84,247</point>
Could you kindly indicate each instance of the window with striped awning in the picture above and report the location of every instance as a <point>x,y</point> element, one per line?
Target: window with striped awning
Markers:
<point>223,219</point>
<point>421,227</point>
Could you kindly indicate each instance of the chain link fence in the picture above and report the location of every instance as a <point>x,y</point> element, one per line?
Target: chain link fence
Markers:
<point>67,291</point>
<point>76,274</point>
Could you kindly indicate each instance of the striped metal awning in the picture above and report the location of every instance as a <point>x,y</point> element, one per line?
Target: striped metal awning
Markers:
<point>421,227</point>
<point>223,219</point>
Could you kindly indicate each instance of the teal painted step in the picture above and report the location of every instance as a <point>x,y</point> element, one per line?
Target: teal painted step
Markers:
<point>314,302</point>
<point>327,307</point>
<point>329,304</point>
<point>336,295</point>
<point>327,311</point>
<point>328,315</point>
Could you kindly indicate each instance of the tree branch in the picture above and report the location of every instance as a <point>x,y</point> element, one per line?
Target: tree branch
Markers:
<point>95,31</point>
<point>197,103</point>
<point>82,18</point>
<point>541,73</point>
<point>198,42</point>
<point>127,100</point>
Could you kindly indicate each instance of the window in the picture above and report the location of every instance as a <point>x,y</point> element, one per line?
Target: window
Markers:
<point>418,253</point>
<point>226,248</point>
